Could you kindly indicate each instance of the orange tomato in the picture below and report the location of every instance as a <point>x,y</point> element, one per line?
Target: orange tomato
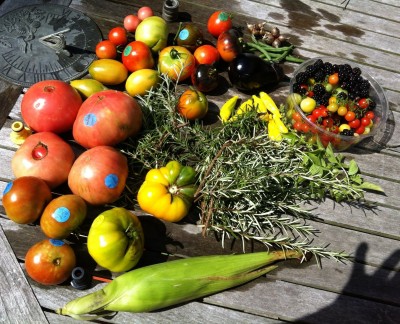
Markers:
<point>192,104</point>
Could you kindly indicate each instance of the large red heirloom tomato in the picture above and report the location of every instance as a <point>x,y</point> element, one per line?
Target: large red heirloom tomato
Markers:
<point>107,118</point>
<point>99,175</point>
<point>50,262</point>
<point>44,155</point>
<point>50,106</point>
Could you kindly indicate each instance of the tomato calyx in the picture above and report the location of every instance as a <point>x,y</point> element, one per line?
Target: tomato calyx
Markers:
<point>175,54</point>
<point>57,262</point>
<point>40,151</point>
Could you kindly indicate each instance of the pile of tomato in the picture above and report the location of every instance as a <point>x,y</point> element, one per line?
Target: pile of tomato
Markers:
<point>98,115</point>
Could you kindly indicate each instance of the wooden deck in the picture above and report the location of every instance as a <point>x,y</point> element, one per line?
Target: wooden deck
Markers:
<point>366,291</point>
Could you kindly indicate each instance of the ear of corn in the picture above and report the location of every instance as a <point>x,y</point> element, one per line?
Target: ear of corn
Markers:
<point>170,283</point>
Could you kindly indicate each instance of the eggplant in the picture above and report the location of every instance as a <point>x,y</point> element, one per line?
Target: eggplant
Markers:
<point>249,72</point>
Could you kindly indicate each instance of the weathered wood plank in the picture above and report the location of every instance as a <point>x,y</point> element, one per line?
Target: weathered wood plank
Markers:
<point>294,303</point>
<point>18,304</point>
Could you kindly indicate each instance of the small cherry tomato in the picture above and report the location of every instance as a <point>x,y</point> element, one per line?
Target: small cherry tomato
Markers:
<point>192,104</point>
<point>342,127</point>
<point>327,122</point>
<point>206,54</point>
<point>308,104</point>
<point>332,100</point>
<point>360,130</point>
<point>333,107</point>
<point>305,128</point>
<point>355,123</point>
<point>312,118</point>
<point>370,114</point>
<point>333,79</point>
<point>297,117</point>
<point>298,125</point>
<point>342,110</point>
<point>219,22</point>
<point>365,121</point>
<point>106,50</point>
<point>228,45</point>
<point>131,22</point>
<point>145,12</point>
<point>118,36</point>
<point>363,103</point>
<point>350,115</point>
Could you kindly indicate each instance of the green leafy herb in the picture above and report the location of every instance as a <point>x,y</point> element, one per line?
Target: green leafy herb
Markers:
<point>250,187</point>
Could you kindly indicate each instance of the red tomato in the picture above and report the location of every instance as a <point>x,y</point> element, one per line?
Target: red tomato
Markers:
<point>62,216</point>
<point>50,106</point>
<point>50,262</point>
<point>107,118</point>
<point>365,121</point>
<point>46,156</point>
<point>145,12</point>
<point>350,115</point>
<point>370,114</point>
<point>177,62</point>
<point>363,103</point>
<point>137,56</point>
<point>355,123</point>
<point>192,104</point>
<point>99,175</point>
<point>25,198</point>
<point>118,36</point>
<point>228,45</point>
<point>131,22</point>
<point>106,50</point>
<point>219,22</point>
<point>206,54</point>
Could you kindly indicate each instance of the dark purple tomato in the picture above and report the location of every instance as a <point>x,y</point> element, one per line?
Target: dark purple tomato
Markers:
<point>205,77</point>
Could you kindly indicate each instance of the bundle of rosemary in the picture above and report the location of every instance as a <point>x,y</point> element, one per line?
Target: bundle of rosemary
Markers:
<point>249,186</point>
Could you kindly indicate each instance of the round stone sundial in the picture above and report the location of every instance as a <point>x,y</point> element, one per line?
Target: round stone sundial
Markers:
<point>46,41</point>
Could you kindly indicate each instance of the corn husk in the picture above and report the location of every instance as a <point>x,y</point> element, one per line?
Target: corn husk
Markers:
<point>162,285</point>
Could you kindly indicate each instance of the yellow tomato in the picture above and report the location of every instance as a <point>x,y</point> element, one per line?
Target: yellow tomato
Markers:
<point>308,104</point>
<point>108,71</point>
<point>141,81</point>
<point>167,192</point>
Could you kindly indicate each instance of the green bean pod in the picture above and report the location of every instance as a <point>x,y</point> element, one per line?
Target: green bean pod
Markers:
<point>165,284</point>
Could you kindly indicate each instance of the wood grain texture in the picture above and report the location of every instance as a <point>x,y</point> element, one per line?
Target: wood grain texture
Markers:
<point>364,291</point>
<point>18,304</point>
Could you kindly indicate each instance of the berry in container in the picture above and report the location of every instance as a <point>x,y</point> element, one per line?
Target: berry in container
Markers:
<point>337,101</point>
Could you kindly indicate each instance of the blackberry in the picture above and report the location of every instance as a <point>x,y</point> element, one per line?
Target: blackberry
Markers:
<point>347,132</point>
<point>319,89</point>
<point>328,68</point>
<point>344,71</point>
<point>296,87</point>
<point>356,71</point>
<point>302,77</point>
<point>319,76</point>
<point>318,64</point>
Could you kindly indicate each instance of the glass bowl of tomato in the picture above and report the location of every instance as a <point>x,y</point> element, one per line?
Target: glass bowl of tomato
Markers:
<point>336,101</point>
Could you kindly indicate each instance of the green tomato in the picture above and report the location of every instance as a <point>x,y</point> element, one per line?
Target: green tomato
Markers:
<point>153,31</point>
<point>308,104</point>
<point>116,240</point>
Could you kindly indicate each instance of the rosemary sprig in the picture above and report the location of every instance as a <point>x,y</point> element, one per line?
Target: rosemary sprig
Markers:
<point>249,186</point>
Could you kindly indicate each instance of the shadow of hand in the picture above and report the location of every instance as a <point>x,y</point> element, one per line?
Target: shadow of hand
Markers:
<point>367,297</point>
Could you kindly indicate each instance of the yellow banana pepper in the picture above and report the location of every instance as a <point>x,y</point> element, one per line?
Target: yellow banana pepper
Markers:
<point>227,108</point>
<point>270,104</point>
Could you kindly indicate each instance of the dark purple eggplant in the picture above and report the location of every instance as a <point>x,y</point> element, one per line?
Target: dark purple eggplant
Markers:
<point>205,77</point>
<point>249,72</point>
